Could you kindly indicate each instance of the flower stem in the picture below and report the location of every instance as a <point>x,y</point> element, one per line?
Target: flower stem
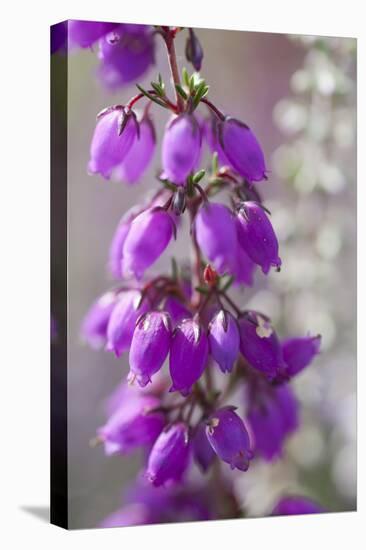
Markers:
<point>169,36</point>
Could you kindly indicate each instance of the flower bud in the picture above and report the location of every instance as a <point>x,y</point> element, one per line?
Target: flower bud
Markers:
<point>289,506</point>
<point>272,416</point>
<point>84,33</point>
<point>169,457</point>
<point>148,237</point>
<point>216,236</point>
<point>210,276</point>
<point>150,346</point>
<point>257,237</point>
<point>194,51</point>
<point>242,149</point>
<point>229,438</point>
<point>109,147</point>
<point>94,327</point>
<point>180,148</point>
<point>188,355</point>
<point>298,353</point>
<point>132,425</point>
<point>223,337</point>
<point>139,156</point>
<point>123,319</point>
<point>202,451</point>
<point>259,344</point>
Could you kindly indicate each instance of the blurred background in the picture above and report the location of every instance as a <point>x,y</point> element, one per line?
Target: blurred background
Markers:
<point>298,95</point>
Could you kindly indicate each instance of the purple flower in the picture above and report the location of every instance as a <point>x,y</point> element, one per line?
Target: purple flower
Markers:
<point>150,346</point>
<point>224,339</point>
<point>216,235</point>
<point>94,327</point>
<point>257,237</point>
<point>229,438</point>
<point>298,353</point>
<point>289,506</point>
<point>169,457</point>
<point>202,451</point>
<point>272,416</point>
<point>85,33</point>
<point>176,310</point>
<point>194,51</point>
<point>242,149</point>
<point>259,344</point>
<point>132,425</point>
<point>123,319</point>
<point>125,54</point>
<point>108,148</point>
<point>180,148</point>
<point>188,355</point>
<point>211,133</point>
<point>116,247</point>
<point>243,271</point>
<point>139,156</point>
<point>149,235</point>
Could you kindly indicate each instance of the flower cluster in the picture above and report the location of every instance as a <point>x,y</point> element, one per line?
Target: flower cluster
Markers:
<point>185,417</point>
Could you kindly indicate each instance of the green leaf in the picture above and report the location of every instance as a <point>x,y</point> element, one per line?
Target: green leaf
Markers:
<point>181,92</point>
<point>215,163</point>
<point>202,290</point>
<point>198,176</point>
<point>185,77</point>
<point>157,89</point>
<point>151,97</point>
<point>227,284</point>
<point>200,92</point>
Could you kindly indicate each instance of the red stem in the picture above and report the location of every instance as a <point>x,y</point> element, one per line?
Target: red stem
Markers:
<point>213,108</point>
<point>169,36</point>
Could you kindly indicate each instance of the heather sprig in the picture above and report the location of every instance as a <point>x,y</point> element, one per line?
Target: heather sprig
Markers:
<point>184,329</point>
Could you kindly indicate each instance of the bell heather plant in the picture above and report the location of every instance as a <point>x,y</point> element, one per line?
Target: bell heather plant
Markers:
<point>183,416</point>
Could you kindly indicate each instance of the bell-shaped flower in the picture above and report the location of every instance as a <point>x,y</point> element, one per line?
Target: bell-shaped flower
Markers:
<point>188,355</point>
<point>149,235</point>
<point>123,319</point>
<point>95,323</point>
<point>224,340</point>
<point>298,353</point>
<point>257,237</point>
<point>295,505</point>
<point>203,452</point>
<point>150,346</point>
<point>242,149</point>
<point>260,345</point>
<point>180,148</point>
<point>125,55</point>
<point>135,423</point>
<point>169,457</point>
<point>83,34</point>
<point>244,269</point>
<point>115,254</point>
<point>229,438</point>
<point>139,156</point>
<point>110,145</point>
<point>272,417</point>
<point>216,236</point>
<point>211,133</point>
